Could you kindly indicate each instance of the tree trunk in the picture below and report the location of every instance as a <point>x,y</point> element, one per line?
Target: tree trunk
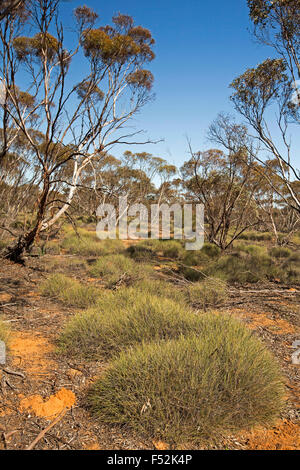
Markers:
<point>25,241</point>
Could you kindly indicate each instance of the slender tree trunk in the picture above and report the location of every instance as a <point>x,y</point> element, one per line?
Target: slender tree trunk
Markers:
<point>24,243</point>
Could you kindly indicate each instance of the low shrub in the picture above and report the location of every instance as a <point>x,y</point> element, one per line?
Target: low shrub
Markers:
<point>87,244</point>
<point>69,291</point>
<point>243,266</point>
<point>161,289</point>
<point>256,236</point>
<point>207,294</point>
<point>194,265</point>
<point>192,388</point>
<point>118,323</point>
<point>119,268</point>
<point>280,252</point>
<point>172,249</point>
<point>141,253</point>
<point>210,250</point>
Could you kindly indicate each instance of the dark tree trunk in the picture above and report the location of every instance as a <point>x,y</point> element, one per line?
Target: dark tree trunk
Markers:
<point>24,243</point>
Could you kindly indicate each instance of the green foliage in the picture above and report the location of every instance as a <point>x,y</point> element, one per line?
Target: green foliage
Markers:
<point>161,289</point>
<point>69,291</point>
<point>208,293</point>
<point>172,249</point>
<point>87,244</point>
<point>256,236</point>
<point>280,252</point>
<point>119,268</point>
<point>242,267</point>
<point>141,252</point>
<point>124,319</point>
<point>212,251</point>
<point>192,388</point>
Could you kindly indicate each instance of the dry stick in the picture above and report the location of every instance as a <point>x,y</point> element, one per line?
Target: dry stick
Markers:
<point>42,433</point>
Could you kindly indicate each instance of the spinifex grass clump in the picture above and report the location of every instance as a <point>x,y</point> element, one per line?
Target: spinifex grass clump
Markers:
<point>86,243</point>
<point>123,320</point>
<point>192,388</point>
<point>70,291</point>
<point>161,289</point>
<point>119,268</point>
<point>208,293</point>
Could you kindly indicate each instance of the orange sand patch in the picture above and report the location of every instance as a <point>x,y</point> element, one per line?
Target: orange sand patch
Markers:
<point>284,436</point>
<point>160,445</point>
<point>30,350</point>
<point>277,326</point>
<point>5,297</point>
<point>5,410</point>
<point>51,407</point>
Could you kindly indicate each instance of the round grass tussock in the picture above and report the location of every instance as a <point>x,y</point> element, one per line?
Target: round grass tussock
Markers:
<point>193,388</point>
<point>208,293</point>
<point>119,323</point>
<point>69,291</point>
<point>116,268</point>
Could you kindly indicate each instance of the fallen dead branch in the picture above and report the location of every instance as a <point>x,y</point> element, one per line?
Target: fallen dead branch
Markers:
<point>44,431</point>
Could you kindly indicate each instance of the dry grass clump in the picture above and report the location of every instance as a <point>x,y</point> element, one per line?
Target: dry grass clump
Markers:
<point>161,289</point>
<point>192,388</point>
<point>280,252</point>
<point>172,249</point>
<point>256,236</point>
<point>86,243</point>
<point>149,249</point>
<point>69,291</point>
<point>245,267</point>
<point>120,322</point>
<point>141,252</point>
<point>208,293</point>
<point>116,269</point>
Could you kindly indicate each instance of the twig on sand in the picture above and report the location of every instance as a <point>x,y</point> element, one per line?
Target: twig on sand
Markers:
<point>12,372</point>
<point>44,431</point>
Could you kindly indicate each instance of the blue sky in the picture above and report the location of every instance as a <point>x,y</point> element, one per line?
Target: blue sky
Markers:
<point>200,48</point>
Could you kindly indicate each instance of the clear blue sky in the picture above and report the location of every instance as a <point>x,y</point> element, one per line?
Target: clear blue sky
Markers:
<point>201,47</point>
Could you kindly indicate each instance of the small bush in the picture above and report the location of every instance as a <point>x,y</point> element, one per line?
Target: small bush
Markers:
<point>119,268</point>
<point>193,388</point>
<point>256,236</point>
<point>194,265</point>
<point>254,250</point>
<point>208,293</point>
<point>119,323</point>
<point>172,249</point>
<point>69,291</point>
<point>87,244</point>
<point>280,252</point>
<point>212,251</point>
<point>161,289</point>
<point>244,267</point>
<point>140,252</point>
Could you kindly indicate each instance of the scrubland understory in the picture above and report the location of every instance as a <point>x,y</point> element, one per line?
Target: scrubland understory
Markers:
<point>143,345</point>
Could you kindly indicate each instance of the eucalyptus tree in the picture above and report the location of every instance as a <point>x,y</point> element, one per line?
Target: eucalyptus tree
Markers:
<point>80,121</point>
<point>270,93</point>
